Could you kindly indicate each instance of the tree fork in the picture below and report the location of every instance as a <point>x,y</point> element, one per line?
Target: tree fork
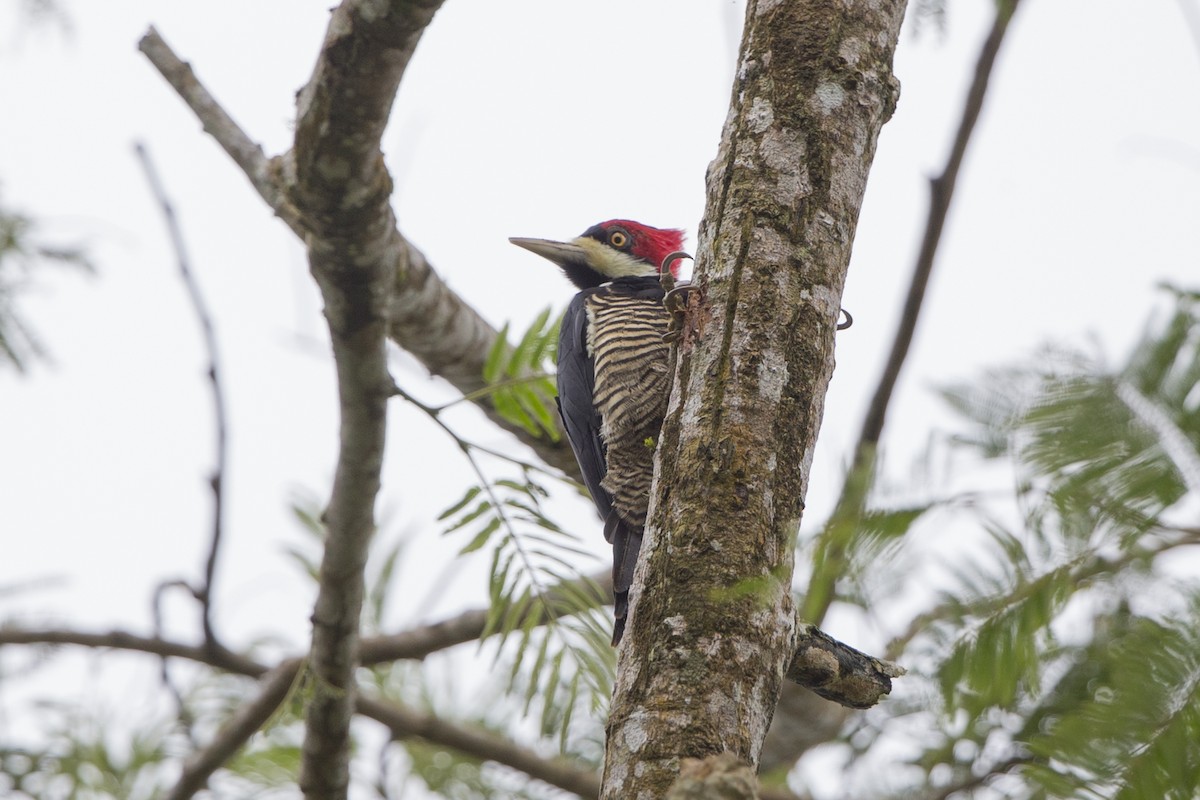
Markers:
<point>712,629</point>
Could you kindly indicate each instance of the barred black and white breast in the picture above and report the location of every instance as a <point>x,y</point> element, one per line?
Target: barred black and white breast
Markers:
<point>613,400</point>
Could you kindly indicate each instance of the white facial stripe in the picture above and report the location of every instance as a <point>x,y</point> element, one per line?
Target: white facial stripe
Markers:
<point>613,263</point>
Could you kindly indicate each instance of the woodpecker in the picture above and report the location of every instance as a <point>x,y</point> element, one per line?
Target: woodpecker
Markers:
<point>612,374</point>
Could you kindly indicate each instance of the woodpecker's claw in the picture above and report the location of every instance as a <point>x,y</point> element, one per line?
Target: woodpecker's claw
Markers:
<point>665,276</point>
<point>675,299</point>
<point>849,321</point>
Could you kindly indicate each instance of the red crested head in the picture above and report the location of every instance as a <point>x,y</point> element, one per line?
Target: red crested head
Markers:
<point>643,242</point>
<point>618,248</point>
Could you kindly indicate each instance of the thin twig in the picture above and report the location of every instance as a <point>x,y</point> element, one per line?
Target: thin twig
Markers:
<point>976,780</point>
<point>220,126</point>
<point>123,640</point>
<point>183,714</point>
<point>540,591</point>
<point>941,191</point>
<point>466,445</point>
<point>245,722</point>
<point>208,332</point>
<point>406,723</point>
<point>491,388</point>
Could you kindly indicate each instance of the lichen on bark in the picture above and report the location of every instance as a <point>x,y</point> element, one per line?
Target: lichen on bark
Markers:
<point>711,628</point>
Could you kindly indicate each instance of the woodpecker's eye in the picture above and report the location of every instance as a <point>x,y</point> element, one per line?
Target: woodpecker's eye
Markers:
<point>618,239</point>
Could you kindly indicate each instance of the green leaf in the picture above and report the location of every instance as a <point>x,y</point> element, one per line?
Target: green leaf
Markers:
<point>470,495</point>
<point>482,508</point>
<point>481,538</point>
<point>493,365</point>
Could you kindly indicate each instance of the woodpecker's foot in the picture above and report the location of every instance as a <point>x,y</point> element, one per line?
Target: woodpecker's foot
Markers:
<point>677,303</point>
<point>665,276</point>
<point>841,326</point>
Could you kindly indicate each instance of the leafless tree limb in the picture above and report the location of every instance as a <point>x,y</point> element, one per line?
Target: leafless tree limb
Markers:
<point>407,723</point>
<point>220,126</point>
<point>941,192</point>
<point>248,719</point>
<point>426,317</point>
<point>335,176</point>
<point>164,666</point>
<point>334,190</point>
<point>217,481</point>
<point>402,721</point>
<point>820,662</point>
<point>123,640</point>
<point>837,671</point>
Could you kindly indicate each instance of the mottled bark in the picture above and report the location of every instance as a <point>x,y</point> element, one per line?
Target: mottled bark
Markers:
<point>336,180</point>
<point>712,626</point>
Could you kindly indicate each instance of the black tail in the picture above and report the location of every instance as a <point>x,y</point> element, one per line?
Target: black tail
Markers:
<point>626,541</point>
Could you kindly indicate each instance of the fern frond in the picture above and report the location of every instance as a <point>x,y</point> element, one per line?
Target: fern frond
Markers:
<point>543,616</point>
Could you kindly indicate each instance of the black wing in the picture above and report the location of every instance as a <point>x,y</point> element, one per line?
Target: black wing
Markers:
<point>576,384</point>
<point>576,404</point>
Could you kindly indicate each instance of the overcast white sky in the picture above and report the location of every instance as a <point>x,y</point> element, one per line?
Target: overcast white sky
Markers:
<point>530,118</point>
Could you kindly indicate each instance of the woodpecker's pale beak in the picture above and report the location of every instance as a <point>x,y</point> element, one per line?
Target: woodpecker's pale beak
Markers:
<point>561,253</point>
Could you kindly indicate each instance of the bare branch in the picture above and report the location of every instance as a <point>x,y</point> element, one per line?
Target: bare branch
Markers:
<point>406,723</point>
<point>208,332</point>
<point>343,109</point>
<point>420,642</point>
<point>426,317</point>
<point>403,722</point>
<point>812,669</point>
<point>219,125</point>
<point>336,177</point>
<point>941,192</point>
<point>837,671</point>
<point>164,669</point>
<point>122,640</point>
<point>237,731</point>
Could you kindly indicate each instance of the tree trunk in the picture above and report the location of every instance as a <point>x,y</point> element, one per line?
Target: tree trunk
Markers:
<point>712,621</point>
